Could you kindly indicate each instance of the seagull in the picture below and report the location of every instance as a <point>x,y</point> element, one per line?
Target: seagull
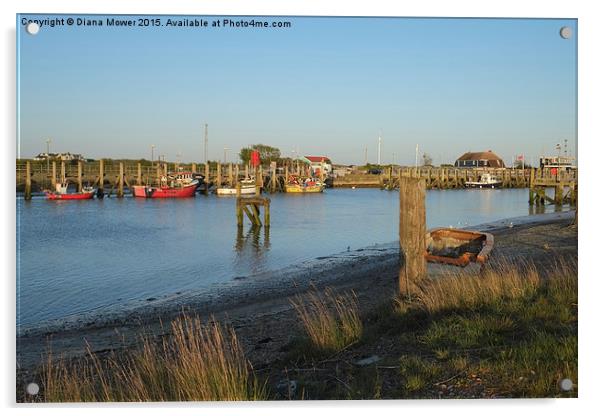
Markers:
<point>511,225</point>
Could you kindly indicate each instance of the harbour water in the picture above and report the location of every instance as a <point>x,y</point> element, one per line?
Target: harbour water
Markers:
<point>76,257</point>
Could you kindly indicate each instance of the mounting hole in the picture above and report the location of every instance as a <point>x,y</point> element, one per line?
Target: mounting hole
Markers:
<point>566,384</point>
<point>32,28</point>
<point>32,389</point>
<point>566,32</point>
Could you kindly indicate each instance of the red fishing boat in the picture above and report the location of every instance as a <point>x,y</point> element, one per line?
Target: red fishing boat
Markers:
<point>178,185</point>
<point>61,193</point>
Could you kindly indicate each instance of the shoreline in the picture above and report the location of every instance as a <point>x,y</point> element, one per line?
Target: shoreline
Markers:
<point>270,282</point>
<point>368,269</point>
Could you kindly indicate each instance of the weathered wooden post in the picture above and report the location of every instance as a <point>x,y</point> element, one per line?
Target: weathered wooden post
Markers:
<point>218,179</point>
<point>236,173</point>
<point>53,179</point>
<point>101,178</point>
<point>247,171</point>
<point>257,185</point>
<point>558,191</point>
<point>286,173</point>
<point>207,178</point>
<point>63,175</point>
<point>120,181</point>
<point>165,167</point>
<point>158,175</point>
<point>80,184</point>
<point>273,177</point>
<point>193,168</point>
<point>139,175</point>
<point>412,233</point>
<point>532,187</point>
<point>230,177</point>
<point>27,195</point>
<point>239,213</point>
<point>260,176</point>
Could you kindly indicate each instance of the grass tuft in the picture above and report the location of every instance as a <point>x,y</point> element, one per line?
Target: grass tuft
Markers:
<point>199,362</point>
<point>331,321</point>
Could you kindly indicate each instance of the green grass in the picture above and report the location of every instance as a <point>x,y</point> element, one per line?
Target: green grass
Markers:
<point>511,332</point>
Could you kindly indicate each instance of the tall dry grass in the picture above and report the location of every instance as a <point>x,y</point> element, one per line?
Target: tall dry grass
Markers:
<point>332,321</point>
<point>504,280</point>
<point>199,362</point>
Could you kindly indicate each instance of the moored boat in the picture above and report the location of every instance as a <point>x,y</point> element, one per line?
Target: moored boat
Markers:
<point>61,193</point>
<point>174,185</point>
<point>247,187</point>
<point>298,186</point>
<point>458,247</point>
<point>486,180</point>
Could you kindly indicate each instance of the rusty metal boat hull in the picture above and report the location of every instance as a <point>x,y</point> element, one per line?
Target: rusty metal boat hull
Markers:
<point>458,247</point>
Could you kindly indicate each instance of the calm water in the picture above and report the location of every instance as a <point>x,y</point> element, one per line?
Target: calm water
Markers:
<point>78,256</point>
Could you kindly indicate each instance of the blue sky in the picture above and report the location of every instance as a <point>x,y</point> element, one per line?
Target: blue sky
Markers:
<point>324,86</point>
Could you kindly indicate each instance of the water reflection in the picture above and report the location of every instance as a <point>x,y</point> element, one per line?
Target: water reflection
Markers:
<point>251,249</point>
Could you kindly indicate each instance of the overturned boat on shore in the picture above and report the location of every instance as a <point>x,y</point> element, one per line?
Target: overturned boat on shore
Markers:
<point>458,247</point>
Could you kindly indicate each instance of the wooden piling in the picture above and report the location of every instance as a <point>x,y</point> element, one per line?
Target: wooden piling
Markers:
<point>63,175</point>
<point>273,177</point>
<point>230,176</point>
<point>120,181</point>
<point>218,179</point>
<point>558,191</point>
<point>27,195</point>
<point>80,185</point>
<point>193,168</point>
<point>101,177</point>
<point>239,213</point>
<point>53,179</point>
<point>207,179</point>
<point>412,233</point>
<point>532,187</point>
<point>139,175</point>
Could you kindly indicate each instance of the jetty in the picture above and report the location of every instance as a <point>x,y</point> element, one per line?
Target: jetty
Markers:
<point>115,176</point>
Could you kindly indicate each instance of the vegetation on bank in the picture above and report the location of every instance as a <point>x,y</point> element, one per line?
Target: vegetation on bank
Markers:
<point>509,332</point>
<point>199,362</point>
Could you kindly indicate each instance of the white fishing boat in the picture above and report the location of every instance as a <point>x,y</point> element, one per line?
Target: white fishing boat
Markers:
<point>247,187</point>
<point>486,180</point>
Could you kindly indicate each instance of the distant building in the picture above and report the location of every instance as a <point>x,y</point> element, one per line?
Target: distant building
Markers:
<point>486,159</point>
<point>59,156</point>
<point>318,164</point>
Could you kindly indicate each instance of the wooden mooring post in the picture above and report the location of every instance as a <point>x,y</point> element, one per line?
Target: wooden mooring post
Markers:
<point>412,233</point>
<point>80,184</point>
<point>63,174</point>
<point>139,175</point>
<point>53,178</point>
<point>120,181</point>
<point>27,195</point>
<point>207,179</point>
<point>101,179</point>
